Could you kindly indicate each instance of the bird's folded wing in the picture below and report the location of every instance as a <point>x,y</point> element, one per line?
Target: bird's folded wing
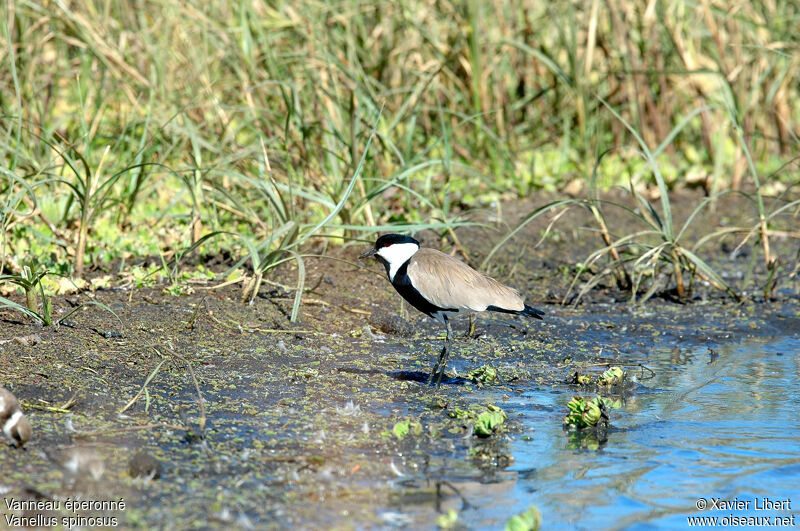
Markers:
<point>450,283</point>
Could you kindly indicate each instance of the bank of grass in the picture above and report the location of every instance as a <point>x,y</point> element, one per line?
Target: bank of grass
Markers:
<point>130,129</point>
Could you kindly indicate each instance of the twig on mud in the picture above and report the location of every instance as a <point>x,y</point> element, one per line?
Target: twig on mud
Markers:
<point>193,318</point>
<point>199,394</point>
<point>87,434</point>
<point>305,301</point>
<point>457,245</point>
<point>235,325</point>
<point>224,284</point>
<point>612,364</point>
<point>71,402</point>
<point>295,458</point>
<point>237,280</point>
<point>279,331</point>
<point>53,409</point>
<point>211,314</point>
<point>63,408</point>
<point>584,365</point>
<point>144,386</point>
<point>316,301</point>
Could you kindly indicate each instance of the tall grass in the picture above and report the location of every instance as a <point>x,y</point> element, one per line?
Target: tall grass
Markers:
<point>152,115</point>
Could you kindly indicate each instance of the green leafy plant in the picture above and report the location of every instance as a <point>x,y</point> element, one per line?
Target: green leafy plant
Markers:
<point>29,282</point>
<point>611,377</point>
<point>448,520</point>
<point>585,413</point>
<point>646,258</point>
<point>529,520</point>
<point>406,427</point>
<point>486,420</point>
<point>489,421</point>
<point>483,374</point>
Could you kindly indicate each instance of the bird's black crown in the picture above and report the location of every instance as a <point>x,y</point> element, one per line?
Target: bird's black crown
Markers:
<point>390,239</point>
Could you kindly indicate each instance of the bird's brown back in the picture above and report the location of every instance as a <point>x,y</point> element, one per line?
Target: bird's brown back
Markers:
<point>450,283</point>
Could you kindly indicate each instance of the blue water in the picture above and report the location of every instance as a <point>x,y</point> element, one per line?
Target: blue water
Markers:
<point>727,429</point>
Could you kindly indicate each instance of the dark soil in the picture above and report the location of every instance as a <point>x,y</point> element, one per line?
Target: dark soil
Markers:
<point>296,424</point>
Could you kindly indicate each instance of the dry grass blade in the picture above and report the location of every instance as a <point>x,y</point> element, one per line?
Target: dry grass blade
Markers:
<point>710,274</point>
<point>200,401</point>
<point>144,386</point>
<point>521,225</point>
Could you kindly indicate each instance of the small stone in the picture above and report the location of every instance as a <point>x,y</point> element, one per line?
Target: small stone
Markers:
<point>390,323</point>
<point>144,465</point>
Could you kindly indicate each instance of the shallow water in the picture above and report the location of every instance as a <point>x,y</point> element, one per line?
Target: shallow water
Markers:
<point>705,427</point>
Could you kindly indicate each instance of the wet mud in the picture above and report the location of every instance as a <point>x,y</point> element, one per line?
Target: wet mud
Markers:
<point>252,421</point>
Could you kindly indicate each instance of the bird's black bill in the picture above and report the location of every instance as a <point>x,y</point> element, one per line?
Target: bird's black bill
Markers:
<point>369,253</point>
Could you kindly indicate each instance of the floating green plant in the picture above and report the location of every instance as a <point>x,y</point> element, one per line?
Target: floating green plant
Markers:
<point>447,520</point>
<point>611,377</point>
<point>580,379</point>
<point>486,420</point>
<point>405,427</point>
<point>483,374</point>
<point>530,520</point>
<point>489,421</point>
<point>585,413</point>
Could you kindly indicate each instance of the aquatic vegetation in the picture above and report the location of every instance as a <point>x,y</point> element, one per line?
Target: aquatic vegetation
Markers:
<point>580,379</point>
<point>585,413</point>
<point>483,375</point>
<point>406,427</point>
<point>447,520</point>
<point>489,421</point>
<point>485,420</point>
<point>303,373</point>
<point>587,421</point>
<point>586,439</point>
<point>612,377</point>
<point>613,380</point>
<point>529,520</point>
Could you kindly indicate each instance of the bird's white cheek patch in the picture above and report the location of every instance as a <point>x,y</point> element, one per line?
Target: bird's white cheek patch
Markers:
<point>397,255</point>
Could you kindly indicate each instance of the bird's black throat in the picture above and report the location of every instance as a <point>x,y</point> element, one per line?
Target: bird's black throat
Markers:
<point>383,260</point>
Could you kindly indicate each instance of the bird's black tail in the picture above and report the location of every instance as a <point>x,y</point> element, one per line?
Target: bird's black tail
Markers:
<point>532,312</point>
<point>529,311</point>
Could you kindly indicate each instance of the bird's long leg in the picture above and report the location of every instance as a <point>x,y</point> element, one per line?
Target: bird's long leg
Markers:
<point>445,352</point>
<point>442,361</point>
<point>438,362</point>
<point>471,331</point>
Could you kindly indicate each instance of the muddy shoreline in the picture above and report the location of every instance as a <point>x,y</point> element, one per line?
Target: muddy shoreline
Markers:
<point>297,420</point>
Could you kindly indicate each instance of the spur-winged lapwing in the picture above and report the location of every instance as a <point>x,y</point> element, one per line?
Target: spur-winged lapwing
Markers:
<point>439,285</point>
